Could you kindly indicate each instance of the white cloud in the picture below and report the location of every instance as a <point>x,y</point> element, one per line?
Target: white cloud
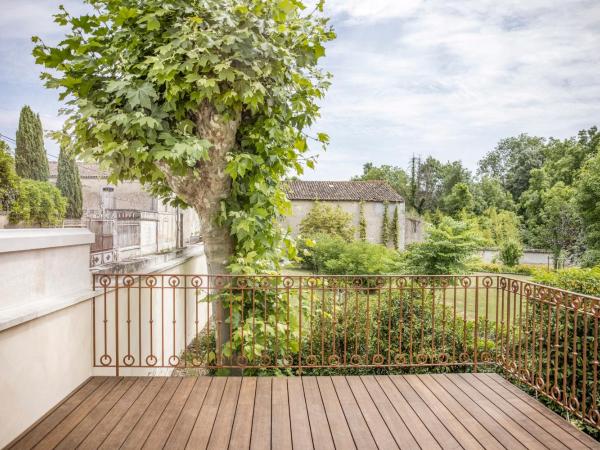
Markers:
<point>373,9</point>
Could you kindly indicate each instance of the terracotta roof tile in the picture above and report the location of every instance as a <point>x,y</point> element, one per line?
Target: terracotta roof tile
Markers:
<point>368,191</point>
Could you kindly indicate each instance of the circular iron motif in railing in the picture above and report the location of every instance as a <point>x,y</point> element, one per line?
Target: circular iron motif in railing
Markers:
<point>503,283</point>
<point>444,282</point>
<point>422,282</point>
<point>174,360</point>
<point>265,360</point>
<point>219,281</point>
<point>288,282</point>
<point>422,358</point>
<point>485,357</point>
<point>333,360</point>
<point>573,403</point>
<point>442,358</point>
<point>311,360</point>
<point>105,281</point>
<point>514,286</point>
<point>196,281</point>
<point>151,360</point>
<point>105,360</point>
<point>242,360</point>
<point>129,360</point>
<point>556,393</point>
<point>401,282</point>
<point>465,282</point>
<point>128,281</point>
<point>197,362</point>
<point>241,283</point>
<point>378,360</point>
<point>355,360</point>
<point>287,360</point>
<point>558,298</point>
<point>379,282</point>
<point>596,310</point>
<point>594,417</point>
<point>487,282</point>
<point>265,283</point>
<point>174,281</point>
<point>357,283</point>
<point>576,302</point>
<point>400,359</point>
<point>464,357</point>
<point>151,281</point>
<point>528,290</point>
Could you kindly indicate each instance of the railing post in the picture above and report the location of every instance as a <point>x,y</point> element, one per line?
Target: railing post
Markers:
<point>476,330</point>
<point>117,325</point>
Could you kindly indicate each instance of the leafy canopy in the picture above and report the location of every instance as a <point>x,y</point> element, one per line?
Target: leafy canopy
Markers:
<point>135,74</point>
<point>326,219</point>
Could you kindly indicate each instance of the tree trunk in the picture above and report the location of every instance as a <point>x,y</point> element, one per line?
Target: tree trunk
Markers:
<point>204,189</point>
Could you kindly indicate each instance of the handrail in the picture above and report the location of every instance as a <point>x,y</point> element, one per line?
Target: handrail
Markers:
<point>545,338</point>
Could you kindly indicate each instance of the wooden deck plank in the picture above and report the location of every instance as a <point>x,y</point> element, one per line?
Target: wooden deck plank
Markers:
<point>280,414</point>
<point>420,432</point>
<point>507,422</point>
<point>516,414</point>
<point>319,425</point>
<point>95,438</point>
<point>483,436</point>
<point>81,431</point>
<point>261,422</point>
<point>562,429</point>
<point>377,425</point>
<point>148,421</point>
<point>301,435</point>
<point>47,423</point>
<point>242,423</point>
<point>120,432</point>
<point>396,425</point>
<point>478,411</point>
<point>186,420</point>
<point>53,438</point>
<point>356,422</point>
<point>461,433</point>
<point>160,432</point>
<point>206,418</point>
<point>433,424</point>
<point>221,431</point>
<point>340,432</point>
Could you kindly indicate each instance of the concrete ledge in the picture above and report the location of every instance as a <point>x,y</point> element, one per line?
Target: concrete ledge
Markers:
<point>24,239</point>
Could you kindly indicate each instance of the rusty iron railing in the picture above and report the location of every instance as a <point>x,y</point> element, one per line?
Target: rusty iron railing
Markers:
<point>545,338</point>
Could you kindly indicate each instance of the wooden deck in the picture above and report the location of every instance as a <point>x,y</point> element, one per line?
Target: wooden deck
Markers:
<point>417,411</point>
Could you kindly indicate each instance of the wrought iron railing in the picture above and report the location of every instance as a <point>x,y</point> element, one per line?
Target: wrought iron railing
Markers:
<point>545,338</point>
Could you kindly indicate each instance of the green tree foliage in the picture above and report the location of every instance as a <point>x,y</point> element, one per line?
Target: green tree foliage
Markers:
<point>362,222</point>
<point>395,229</point>
<point>206,99</point>
<point>38,203</point>
<point>489,193</point>
<point>458,200</point>
<point>69,183</point>
<point>447,248</point>
<point>396,177</point>
<point>30,156</point>
<point>510,253</point>
<point>326,219</point>
<point>512,160</point>
<point>499,227</point>
<point>588,206</point>
<point>8,178</point>
<point>385,225</point>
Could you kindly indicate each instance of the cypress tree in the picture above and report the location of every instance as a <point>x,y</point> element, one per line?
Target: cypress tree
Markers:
<point>30,155</point>
<point>395,228</point>
<point>69,183</point>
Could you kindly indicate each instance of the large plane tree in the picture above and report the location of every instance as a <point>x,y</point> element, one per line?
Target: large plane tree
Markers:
<point>207,102</point>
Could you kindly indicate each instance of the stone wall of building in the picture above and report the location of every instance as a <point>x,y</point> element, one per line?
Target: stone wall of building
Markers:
<point>373,214</point>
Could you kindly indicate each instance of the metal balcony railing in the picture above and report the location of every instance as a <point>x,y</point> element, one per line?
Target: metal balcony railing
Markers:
<point>545,338</point>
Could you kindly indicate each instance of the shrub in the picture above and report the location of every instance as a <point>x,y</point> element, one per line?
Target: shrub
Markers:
<point>510,253</point>
<point>8,178</point>
<point>38,203</point>
<point>363,258</point>
<point>324,248</point>
<point>583,281</point>
<point>519,269</point>
<point>326,219</point>
<point>447,249</point>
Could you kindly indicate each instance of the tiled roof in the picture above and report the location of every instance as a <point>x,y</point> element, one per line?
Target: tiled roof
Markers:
<point>368,191</point>
<point>86,170</point>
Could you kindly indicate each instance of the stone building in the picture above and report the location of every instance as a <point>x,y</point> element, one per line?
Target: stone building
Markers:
<point>348,195</point>
<point>127,220</point>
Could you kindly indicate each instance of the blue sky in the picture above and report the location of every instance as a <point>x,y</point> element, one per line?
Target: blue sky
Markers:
<point>446,78</point>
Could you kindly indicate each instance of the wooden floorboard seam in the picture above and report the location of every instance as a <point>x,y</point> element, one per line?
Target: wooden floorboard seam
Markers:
<point>345,381</point>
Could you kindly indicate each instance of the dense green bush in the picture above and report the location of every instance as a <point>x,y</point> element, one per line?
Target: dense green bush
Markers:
<point>519,269</point>
<point>510,253</point>
<point>326,219</point>
<point>323,248</point>
<point>38,203</point>
<point>583,281</point>
<point>8,178</point>
<point>447,249</point>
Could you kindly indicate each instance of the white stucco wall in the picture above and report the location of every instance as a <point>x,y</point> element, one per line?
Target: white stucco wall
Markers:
<point>46,338</point>
<point>373,213</point>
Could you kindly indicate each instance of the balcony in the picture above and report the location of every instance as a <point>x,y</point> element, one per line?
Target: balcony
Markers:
<point>369,362</point>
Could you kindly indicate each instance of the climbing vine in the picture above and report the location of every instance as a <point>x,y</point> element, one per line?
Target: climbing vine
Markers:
<point>362,223</point>
<point>385,225</point>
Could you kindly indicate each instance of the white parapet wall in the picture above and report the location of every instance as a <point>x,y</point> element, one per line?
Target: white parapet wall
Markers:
<point>46,320</point>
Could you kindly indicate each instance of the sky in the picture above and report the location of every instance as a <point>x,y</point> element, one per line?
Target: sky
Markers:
<point>447,78</point>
